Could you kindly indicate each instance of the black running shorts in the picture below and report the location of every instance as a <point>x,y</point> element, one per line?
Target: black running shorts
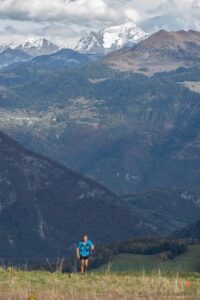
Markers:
<point>83,257</point>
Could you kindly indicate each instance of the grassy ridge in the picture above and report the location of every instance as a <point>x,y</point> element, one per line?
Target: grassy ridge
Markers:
<point>19,285</point>
<point>187,262</point>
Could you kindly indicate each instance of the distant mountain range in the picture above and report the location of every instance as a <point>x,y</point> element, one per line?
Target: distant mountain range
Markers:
<point>162,51</point>
<point>101,42</point>
<point>42,52</point>
<point>95,44</point>
<point>111,39</point>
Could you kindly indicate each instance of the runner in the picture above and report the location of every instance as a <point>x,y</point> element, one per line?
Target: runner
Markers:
<point>84,250</point>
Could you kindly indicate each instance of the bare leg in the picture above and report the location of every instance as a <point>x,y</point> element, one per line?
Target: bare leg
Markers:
<point>82,266</point>
<point>86,265</point>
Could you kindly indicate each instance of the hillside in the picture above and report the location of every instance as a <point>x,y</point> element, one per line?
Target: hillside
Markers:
<point>192,231</point>
<point>162,51</point>
<point>167,209</point>
<point>45,207</point>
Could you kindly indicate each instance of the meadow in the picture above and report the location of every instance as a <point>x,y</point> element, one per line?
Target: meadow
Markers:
<point>126,276</point>
<point>186,262</point>
<point>40,285</point>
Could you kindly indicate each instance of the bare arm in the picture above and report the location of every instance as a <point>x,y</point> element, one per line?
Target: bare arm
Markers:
<point>91,248</point>
<point>77,252</point>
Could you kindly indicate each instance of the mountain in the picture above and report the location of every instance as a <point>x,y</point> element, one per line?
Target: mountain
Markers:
<point>10,56</point>
<point>61,58</point>
<point>46,207</point>
<point>33,47</point>
<point>111,39</point>
<point>162,51</point>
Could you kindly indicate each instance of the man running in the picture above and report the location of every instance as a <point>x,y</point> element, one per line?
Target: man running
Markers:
<point>84,250</point>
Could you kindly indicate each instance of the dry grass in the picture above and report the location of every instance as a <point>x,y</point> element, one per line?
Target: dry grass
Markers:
<point>19,285</point>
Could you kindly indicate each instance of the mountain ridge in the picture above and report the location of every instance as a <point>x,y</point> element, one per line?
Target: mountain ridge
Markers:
<point>11,56</point>
<point>61,58</point>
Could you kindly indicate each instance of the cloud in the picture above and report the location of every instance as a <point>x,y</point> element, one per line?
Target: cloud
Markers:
<point>9,29</point>
<point>63,21</point>
<point>67,11</point>
<point>182,9</point>
<point>174,15</point>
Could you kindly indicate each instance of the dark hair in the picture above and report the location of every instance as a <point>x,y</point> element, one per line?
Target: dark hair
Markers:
<point>85,234</point>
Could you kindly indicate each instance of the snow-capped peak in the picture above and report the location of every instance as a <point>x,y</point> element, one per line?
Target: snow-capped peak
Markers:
<point>33,46</point>
<point>111,38</point>
<point>127,33</point>
<point>31,42</point>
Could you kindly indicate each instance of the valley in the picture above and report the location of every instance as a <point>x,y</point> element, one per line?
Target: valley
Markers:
<point>127,131</point>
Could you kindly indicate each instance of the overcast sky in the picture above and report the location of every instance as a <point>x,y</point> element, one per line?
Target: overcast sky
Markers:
<point>64,21</point>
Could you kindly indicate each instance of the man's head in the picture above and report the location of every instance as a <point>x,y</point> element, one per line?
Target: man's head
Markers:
<point>84,238</point>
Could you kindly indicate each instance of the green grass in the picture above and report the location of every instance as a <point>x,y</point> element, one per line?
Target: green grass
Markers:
<point>21,285</point>
<point>187,262</point>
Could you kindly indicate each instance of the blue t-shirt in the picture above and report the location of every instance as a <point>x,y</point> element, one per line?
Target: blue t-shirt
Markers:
<point>85,248</point>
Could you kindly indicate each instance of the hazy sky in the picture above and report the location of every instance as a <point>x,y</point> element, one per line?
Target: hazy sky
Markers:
<point>63,21</point>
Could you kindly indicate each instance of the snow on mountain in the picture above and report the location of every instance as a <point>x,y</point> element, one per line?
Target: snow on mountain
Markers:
<point>126,34</point>
<point>111,38</point>
<point>34,47</point>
